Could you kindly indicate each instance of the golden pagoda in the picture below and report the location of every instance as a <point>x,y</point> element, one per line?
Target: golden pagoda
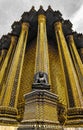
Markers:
<point>41,73</point>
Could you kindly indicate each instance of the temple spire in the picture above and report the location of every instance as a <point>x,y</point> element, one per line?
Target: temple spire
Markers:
<point>42,74</point>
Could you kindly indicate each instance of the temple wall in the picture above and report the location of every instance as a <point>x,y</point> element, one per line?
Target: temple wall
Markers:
<point>28,71</point>
<point>56,74</point>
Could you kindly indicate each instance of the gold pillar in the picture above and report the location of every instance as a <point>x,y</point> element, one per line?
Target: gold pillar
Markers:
<point>70,74</point>
<point>81,54</point>
<point>2,57</point>
<point>77,63</point>
<point>10,96</point>
<point>42,58</point>
<point>7,58</point>
<point>6,66</point>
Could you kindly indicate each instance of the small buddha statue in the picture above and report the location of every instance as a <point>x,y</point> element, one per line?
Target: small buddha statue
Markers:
<point>41,78</point>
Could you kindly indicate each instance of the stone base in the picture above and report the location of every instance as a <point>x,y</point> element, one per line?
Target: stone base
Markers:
<point>40,111</point>
<point>39,125</point>
<point>8,115</point>
<point>40,86</point>
<point>74,117</point>
<point>8,121</point>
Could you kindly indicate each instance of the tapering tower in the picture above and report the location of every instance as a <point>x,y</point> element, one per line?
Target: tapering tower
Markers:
<point>41,73</point>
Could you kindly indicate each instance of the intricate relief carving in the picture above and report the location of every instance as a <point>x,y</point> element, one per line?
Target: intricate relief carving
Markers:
<point>41,81</point>
<point>41,77</point>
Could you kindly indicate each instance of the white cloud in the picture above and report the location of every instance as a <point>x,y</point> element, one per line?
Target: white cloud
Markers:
<point>77,20</point>
<point>11,10</point>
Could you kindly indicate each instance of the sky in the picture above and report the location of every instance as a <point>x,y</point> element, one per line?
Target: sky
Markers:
<point>11,10</point>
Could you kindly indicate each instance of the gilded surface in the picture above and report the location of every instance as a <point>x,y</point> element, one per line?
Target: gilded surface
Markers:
<point>57,81</point>
<point>42,58</point>
<point>81,54</point>
<point>14,75</point>
<point>9,97</point>
<point>64,69</point>
<point>77,63</point>
<point>56,74</point>
<point>28,71</point>
<point>68,64</point>
<point>2,56</point>
<point>6,64</point>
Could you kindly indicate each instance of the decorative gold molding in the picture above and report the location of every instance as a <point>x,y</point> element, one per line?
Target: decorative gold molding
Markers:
<point>14,76</point>
<point>77,64</point>
<point>42,58</point>
<point>42,18</point>
<point>70,73</point>
<point>7,58</point>
<point>2,57</point>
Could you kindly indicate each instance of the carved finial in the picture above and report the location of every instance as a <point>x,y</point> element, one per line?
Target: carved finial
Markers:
<point>32,11</point>
<point>41,7</point>
<point>49,7</point>
<point>33,8</point>
<point>41,10</point>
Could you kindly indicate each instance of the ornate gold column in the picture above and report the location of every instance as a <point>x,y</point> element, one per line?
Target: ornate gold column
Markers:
<point>10,96</point>
<point>7,62</point>
<point>4,41</point>
<point>75,102</point>
<point>42,74</point>
<point>2,57</point>
<point>77,63</point>
<point>68,64</point>
<point>81,54</point>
